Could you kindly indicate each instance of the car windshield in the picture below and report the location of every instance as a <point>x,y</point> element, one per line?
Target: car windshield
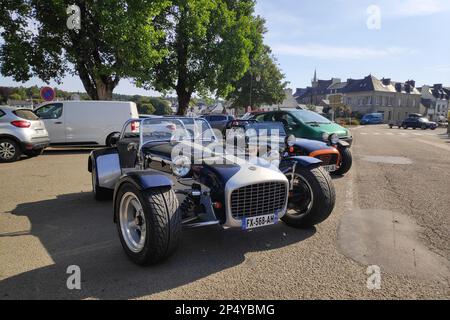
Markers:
<point>198,129</point>
<point>310,117</point>
<point>266,128</point>
<point>162,130</point>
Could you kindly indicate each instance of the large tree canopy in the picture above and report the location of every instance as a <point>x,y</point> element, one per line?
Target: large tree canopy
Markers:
<point>261,85</point>
<point>209,42</point>
<point>116,40</point>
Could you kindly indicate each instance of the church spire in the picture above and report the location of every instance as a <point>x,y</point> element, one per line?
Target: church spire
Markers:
<point>314,81</point>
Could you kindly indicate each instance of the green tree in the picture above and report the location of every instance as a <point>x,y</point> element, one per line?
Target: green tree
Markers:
<point>116,40</point>
<point>263,84</point>
<point>15,96</point>
<point>162,107</point>
<point>209,44</point>
<point>146,108</point>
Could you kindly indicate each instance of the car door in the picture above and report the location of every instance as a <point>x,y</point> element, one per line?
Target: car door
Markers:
<point>53,117</point>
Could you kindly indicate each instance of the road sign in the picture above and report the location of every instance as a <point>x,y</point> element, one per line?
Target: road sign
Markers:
<point>48,93</point>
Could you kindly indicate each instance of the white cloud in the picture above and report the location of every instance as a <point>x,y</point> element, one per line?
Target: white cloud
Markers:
<point>411,8</point>
<point>339,52</point>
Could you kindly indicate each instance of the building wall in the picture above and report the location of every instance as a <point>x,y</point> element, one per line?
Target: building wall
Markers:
<point>395,106</point>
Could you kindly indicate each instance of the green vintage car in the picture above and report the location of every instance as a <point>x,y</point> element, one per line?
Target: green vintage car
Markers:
<point>310,125</point>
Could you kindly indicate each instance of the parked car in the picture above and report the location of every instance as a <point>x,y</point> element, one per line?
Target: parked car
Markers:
<point>21,132</point>
<point>372,118</point>
<point>419,123</point>
<point>144,172</point>
<point>310,125</point>
<point>329,155</point>
<point>218,121</point>
<point>85,122</point>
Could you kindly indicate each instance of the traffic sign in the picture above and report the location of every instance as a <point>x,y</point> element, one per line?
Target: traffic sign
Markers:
<point>48,93</point>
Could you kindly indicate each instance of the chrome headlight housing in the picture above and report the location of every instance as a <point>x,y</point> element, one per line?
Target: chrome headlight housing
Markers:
<point>290,140</point>
<point>334,138</point>
<point>325,136</point>
<point>181,166</point>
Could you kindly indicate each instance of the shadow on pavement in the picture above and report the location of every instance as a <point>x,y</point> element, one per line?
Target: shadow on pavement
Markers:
<point>76,230</point>
<point>67,151</point>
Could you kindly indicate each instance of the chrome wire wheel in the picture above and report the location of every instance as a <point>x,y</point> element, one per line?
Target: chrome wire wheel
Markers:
<point>7,150</point>
<point>132,222</point>
<point>301,197</point>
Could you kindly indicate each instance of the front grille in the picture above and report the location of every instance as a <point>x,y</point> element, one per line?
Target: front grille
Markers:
<point>258,200</point>
<point>328,159</point>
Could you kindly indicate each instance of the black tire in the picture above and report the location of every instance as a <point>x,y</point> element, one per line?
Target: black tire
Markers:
<point>100,194</point>
<point>308,213</point>
<point>11,146</point>
<point>34,153</point>
<point>163,221</point>
<point>346,162</point>
<point>405,127</point>
<point>108,139</point>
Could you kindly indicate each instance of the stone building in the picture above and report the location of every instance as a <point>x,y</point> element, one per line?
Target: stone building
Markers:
<point>396,100</point>
<point>436,100</point>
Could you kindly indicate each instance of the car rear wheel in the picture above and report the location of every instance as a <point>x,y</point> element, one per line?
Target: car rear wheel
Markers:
<point>148,222</point>
<point>100,194</point>
<point>346,162</point>
<point>405,127</point>
<point>424,127</point>
<point>9,150</point>
<point>311,199</point>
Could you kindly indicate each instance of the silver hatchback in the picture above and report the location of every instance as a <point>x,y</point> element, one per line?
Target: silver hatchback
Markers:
<point>21,132</point>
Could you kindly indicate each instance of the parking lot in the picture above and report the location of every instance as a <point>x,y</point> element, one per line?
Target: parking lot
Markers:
<point>391,212</point>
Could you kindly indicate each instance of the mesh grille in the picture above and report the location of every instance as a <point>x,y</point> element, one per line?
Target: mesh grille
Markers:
<point>258,200</point>
<point>328,159</point>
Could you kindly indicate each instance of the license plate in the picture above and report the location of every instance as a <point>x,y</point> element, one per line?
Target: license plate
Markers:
<point>258,222</point>
<point>330,168</point>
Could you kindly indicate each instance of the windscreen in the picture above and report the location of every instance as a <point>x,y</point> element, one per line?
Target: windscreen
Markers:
<point>310,117</point>
<point>160,130</point>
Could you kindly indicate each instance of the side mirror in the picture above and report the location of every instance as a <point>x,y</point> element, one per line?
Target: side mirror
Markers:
<point>114,139</point>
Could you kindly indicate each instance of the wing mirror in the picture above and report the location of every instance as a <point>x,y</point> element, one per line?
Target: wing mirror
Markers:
<point>114,139</point>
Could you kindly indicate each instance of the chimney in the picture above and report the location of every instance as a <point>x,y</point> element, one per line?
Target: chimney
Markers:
<point>412,83</point>
<point>349,81</point>
<point>438,86</point>
<point>398,87</point>
<point>408,88</point>
<point>386,81</point>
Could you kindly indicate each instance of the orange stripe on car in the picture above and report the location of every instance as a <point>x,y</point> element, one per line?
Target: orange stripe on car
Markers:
<point>325,152</point>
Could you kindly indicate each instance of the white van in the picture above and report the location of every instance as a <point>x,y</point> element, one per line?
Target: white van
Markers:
<point>85,122</point>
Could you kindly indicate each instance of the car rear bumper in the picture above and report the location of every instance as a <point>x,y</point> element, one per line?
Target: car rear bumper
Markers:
<point>35,145</point>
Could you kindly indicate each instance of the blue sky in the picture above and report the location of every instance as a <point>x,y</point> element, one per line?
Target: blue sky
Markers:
<point>411,40</point>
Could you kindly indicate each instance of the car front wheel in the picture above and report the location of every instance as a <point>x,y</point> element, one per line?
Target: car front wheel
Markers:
<point>148,222</point>
<point>9,150</point>
<point>311,199</point>
<point>346,162</point>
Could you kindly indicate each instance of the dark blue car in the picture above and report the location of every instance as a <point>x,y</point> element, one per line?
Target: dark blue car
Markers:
<point>372,118</point>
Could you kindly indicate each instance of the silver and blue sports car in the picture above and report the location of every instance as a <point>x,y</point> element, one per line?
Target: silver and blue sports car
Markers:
<point>164,174</point>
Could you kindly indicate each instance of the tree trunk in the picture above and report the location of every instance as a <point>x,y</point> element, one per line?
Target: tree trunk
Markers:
<point>98,88</point>
<point>184,98</point>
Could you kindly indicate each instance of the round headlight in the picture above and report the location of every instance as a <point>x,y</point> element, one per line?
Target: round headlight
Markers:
<point>181,166</point>
<point>325,137</point>
<point>334,138</point>
<point>290,140</point>
<point>251,133</point>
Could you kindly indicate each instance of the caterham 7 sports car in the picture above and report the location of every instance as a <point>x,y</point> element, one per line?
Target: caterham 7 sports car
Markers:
<point>329,155</point>
<point>167,173</point>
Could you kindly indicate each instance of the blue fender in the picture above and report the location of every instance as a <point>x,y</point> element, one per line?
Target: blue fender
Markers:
<point>143,180</point>
<point>302,162</point>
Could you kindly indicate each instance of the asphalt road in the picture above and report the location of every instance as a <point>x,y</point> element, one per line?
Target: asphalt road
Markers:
<point>392,212</point>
